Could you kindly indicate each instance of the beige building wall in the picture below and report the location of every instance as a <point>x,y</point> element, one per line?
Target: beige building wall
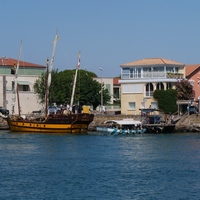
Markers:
<point>28,99</point>
<point>139,76</point>
<point>140,100</point>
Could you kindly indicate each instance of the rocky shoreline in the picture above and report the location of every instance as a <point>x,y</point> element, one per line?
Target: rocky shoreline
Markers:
<point>187,123</point>
<point>3,124</point>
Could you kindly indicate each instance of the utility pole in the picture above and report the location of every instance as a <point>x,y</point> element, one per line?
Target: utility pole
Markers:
<point>101,89</point>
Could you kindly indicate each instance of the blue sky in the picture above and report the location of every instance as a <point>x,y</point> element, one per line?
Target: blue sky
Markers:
<point>107,32</point>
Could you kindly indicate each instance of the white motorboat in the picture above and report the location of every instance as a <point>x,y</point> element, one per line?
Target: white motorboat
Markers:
<point>125,126</point>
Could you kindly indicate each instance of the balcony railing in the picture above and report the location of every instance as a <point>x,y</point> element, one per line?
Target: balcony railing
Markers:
<point>151,75</point>
<point>154,74</point>
<point>174,75</point>
<point>149,93</point>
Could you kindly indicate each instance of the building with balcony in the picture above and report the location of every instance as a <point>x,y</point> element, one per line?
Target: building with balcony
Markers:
<point>139,79</point>
<point>27,74</point>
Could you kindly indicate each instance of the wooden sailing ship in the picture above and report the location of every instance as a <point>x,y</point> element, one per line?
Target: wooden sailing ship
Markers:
<point>63,122</point>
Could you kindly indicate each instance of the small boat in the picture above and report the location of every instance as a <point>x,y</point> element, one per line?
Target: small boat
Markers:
<point>62,122</point>
<point>125,126</point>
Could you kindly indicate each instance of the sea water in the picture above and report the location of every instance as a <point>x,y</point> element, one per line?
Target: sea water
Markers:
<point>146,166</point>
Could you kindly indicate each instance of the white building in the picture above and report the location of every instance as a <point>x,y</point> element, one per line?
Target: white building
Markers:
<point>27,74</point>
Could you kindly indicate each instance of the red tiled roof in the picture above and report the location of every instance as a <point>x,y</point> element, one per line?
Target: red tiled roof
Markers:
<point>151,61</point>
<point>10,62</point>
<point>191,68</point>
<point>116,81</point>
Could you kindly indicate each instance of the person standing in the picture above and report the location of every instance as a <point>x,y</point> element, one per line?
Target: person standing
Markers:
<point>104,109</point>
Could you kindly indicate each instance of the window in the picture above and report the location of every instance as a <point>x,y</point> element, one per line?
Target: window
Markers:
<point>137,73</point>
<point>131,105</point>
<point>132,88</point>
<point>131,73</point>
<point>149,89</point>
<point>22,85</point>
<point>160,86</point>
<point>172,69</point>
<point>25,88</point>
<point>125,70</point>
<point>147,72</point>
<point>116,92</point>
<point>169,86</point>
<point>125,73</point>
<point>147,69</point>
<point>158,69</point>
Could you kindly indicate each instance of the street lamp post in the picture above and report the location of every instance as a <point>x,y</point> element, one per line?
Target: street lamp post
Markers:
<point>101,89</point>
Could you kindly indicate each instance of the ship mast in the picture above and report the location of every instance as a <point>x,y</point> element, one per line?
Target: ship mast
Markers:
<point>52,59</point>
<point>15,83</point>
<point>74,84</point>
<point>49,73</point>
<point>47,89</point>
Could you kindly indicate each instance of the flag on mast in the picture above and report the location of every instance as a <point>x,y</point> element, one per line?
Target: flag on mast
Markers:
<point>79,60</point>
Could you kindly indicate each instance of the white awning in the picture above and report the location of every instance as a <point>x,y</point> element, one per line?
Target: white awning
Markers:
<point>23,82</point>
<point>124,122</point>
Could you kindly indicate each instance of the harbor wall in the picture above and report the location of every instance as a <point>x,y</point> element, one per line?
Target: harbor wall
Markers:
<point>187,123</point>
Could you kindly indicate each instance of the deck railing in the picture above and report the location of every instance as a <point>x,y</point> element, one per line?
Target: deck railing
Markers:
<point>152,74</point>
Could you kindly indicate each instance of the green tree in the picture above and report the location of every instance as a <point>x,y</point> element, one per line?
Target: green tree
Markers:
<point>61,87</point>
<point>87,90</point>
<point>166,100</point>
<point>40,87</point>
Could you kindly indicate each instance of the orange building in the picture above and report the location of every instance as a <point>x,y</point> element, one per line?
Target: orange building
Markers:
<point>192,73</point>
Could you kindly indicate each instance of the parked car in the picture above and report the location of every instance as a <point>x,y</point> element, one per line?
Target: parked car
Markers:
<point>54,110</point>
<point>4,111</point>
<point>193,110</point>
